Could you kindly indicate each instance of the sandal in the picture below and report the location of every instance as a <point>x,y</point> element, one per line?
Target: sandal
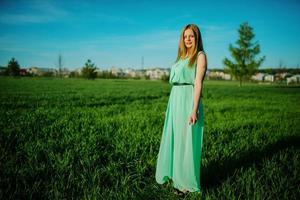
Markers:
<point>180,193</point>
<point>185,191</point>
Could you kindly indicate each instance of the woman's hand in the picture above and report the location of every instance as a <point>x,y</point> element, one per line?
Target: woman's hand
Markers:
<point>193,118</point>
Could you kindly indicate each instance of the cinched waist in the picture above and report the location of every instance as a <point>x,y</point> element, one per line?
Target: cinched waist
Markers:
<point>178,84</point>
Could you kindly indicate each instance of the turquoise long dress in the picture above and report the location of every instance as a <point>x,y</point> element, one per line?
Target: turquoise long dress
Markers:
<point>179,156</point>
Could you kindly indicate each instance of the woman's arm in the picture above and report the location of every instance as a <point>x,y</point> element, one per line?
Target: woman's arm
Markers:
<point>198,83</point>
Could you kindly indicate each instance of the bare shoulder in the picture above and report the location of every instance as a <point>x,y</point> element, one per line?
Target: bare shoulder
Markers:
<point>201,60</point>
<point>201,52</point>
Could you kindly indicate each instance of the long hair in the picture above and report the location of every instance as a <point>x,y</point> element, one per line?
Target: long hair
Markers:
<point>182,50</point>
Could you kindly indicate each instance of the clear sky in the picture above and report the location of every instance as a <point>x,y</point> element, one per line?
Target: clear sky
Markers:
<point>120,33</point>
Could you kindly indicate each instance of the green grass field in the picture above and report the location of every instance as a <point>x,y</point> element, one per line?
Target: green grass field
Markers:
<point>84,139</point>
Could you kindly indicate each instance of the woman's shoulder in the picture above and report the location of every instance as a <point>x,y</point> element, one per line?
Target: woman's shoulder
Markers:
<point>201,52</point>
<point>202,60</point>
<point>201,57</point>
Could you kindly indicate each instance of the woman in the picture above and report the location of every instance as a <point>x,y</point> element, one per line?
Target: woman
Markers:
<point>179,156</point>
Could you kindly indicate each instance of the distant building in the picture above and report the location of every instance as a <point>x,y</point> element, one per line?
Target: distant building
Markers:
<point>227,76</point>
<point>293,79</point>
<point>284,75</point>
<point>269,77</point>
<point>263,77</point>
<point>258,76</point>
<point>33,70</point>
<point>157,73</point>
<point>218,75</point>
<point>140,72</point>
<point>41,71</point>
<point>78,71</point>
<point>23,72</point>
<point>117,72</point>
<point>130,73</point>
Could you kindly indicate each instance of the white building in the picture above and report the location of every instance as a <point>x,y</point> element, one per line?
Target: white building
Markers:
<point>218,75</point>
<point>293,79</point>
<point>117,72</point>
<point>285,75</point>
<point>130,72</point>
<point>41,71</point>
<point>227,76</point>
<point>258,76</point>
<point>269,77</point>
<point>157,73</point>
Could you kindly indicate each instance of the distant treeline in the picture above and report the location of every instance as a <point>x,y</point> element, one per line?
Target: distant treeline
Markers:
<point>269,70</point>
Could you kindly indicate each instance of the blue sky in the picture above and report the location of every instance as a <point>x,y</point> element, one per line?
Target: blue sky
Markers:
<point>119,33</point>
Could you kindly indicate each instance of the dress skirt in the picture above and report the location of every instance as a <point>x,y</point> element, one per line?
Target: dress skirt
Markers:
<point>179,156</point>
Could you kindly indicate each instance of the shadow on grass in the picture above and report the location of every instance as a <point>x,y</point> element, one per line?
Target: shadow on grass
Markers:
<point>216,172</point>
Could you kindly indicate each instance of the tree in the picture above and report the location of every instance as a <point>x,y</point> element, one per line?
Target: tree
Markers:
<point>245,64</point>
<point>165,78</point>
<point>60,65</point>
<point>13,68</point>
<point>89,71</point>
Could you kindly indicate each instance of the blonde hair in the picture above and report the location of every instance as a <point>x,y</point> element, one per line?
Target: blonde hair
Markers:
<point>198,44</point>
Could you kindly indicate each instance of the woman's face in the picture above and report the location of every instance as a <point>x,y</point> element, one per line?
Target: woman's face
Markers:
<point>189,39</point>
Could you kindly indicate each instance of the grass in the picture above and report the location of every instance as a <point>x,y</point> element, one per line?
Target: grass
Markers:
<point>84,139</point>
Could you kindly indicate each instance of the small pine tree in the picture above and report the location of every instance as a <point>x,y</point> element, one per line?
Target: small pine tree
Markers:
<point>245,65</point>
<point>89,71</point>
<point>13,68</point>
